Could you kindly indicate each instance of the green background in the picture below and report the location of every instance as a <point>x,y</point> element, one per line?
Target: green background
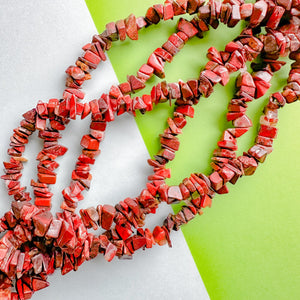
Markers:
<point>246,246</point>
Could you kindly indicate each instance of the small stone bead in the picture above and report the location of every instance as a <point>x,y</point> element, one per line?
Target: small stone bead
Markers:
<point>159,236</point>
<point>107,216</point>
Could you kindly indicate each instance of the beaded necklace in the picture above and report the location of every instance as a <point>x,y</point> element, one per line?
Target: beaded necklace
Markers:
<point>36,243</point>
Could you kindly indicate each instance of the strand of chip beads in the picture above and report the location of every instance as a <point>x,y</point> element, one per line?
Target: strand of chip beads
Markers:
<point>51,149</point>
<point>94,53</point>
<point>247,90</point>
<point>70,107</point>
<point>160,235</point>
<point>187,96</point>
<point>185,90</point>
<point>135,241</point>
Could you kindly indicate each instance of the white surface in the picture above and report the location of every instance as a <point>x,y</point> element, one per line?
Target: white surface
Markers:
<point>39,40</point>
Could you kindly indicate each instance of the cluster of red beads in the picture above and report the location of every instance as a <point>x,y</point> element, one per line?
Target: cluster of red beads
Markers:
<point>36,243</point>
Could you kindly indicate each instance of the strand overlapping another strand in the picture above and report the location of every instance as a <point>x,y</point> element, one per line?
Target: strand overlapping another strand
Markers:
<point>41,242</point>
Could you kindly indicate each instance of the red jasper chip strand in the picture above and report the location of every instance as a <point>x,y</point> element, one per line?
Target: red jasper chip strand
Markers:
<point>89,143</point>
<point>98,127</point>
<point>227,173</point>
<point>247,163</point>
<point>73,244</point>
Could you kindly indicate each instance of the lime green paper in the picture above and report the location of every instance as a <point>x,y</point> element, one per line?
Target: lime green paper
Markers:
<point>246,246</point>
